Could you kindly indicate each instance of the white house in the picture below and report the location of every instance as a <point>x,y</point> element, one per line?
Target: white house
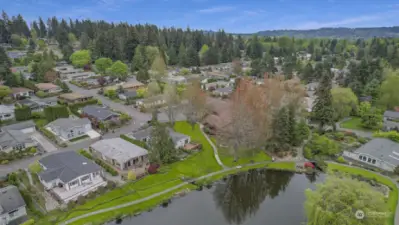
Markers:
<point>12,206</point>
<point>379,152</point>
<point>48,87</point>
<point>17,137</point>
<point>144,135</point>
<point>68,129</point>
<point>69,175</point>
<point>19,92</point>
<point>215,85</point>
<point>151,101</point>
<point>6,112</point>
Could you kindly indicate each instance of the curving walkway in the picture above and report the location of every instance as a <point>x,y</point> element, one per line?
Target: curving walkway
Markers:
<point>215,149</point>
<point>154,195</point>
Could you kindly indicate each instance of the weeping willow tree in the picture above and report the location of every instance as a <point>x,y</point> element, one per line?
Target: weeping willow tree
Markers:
<point>336,202</point>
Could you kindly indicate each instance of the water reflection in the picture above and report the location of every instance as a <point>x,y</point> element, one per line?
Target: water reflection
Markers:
<point>241,195</point>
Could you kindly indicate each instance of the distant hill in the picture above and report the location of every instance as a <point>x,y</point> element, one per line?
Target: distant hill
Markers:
<point>336,32</point>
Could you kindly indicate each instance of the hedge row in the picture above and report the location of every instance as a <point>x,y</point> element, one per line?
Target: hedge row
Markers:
<point>393,135</point>
<point>51,136</point>
<point>135,142</point>
<point>99,162</point>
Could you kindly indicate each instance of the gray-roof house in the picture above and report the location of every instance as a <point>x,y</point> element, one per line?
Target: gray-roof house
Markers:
<point>379,152</point>
<point>391,120</point>
<point>99,114</point>
<point>127,94</point>
<point>67,129</point>
<point>7,112</point>
<point>224,91</point>
<point>12,206</point>
<point>17,137</point>
<point>121,154</point>
<point>69,175</point>
<point>144,135</point>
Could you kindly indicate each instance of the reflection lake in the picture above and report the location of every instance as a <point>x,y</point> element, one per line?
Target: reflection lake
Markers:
<point>256,197</point>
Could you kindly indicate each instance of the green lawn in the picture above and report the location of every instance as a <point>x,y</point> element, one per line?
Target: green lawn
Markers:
<point>154,202</point>
<point>245,157</point>
<point>355,123</point>
<point>196,165</point>
<point>393,194</point>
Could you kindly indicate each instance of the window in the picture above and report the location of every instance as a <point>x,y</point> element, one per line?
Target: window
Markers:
<point>73,183</point>
<point>369,160</point>
<point>360,157</point>
<point>373,162</point>
<point>85,178</point>
<point>364,158</point>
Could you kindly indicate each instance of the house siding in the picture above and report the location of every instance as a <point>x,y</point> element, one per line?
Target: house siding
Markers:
<point>365,159</point>
<point>8,217</point>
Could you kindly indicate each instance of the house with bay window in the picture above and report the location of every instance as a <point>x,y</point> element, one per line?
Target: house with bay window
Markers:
<point>68,175</point>
<point>379,152</point>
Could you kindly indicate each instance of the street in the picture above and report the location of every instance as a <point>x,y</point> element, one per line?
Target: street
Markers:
<point>138,119</point>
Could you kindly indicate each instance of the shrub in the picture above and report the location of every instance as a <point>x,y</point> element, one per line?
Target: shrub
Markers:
<point>81,200</point>
<point>32,150</point>
<point>339,136</point>
<point>136,142</point>
<point>362,140</point>
<point>29,222</point>
<point>35,167</point>
<point>41,94</point>
<point>38,115</point>
<point>107,167</point>
<point>341,159</point>
<point>131,176</point>
<point>307,153</point>
<point>85,154</point>
<point>393,135</point>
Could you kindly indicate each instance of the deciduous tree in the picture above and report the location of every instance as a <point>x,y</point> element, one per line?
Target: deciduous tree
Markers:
<point>336,201</point>
<point>81,58</point>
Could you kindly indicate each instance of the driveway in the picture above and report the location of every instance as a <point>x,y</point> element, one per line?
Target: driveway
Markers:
<point>46,144</point>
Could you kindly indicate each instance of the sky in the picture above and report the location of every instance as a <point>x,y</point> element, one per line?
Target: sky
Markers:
<point>245,16</point>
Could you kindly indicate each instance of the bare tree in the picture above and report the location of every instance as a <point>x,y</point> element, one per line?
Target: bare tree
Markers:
<point>196,100</point>
<point>172,102</point>
<point>252,110</point>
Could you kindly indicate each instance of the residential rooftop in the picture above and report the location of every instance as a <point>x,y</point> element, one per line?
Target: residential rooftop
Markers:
<point>46,86</point>
<point>73,96</point>
<point>67,123</point>
<point>392,114</point>
<point>10,199</point>
<point>383,149</point>
<point>119,149</point>
<point>66,166</point>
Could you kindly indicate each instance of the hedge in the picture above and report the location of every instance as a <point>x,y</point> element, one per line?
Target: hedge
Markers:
<point>135,142</point>
<point>51,136</point>
<point>393,135</point>
<point>29,222</point>
<point>75,107</point>
<point>99,162</point>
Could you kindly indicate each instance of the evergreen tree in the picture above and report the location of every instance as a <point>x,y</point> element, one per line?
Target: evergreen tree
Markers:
<point>182,56</point>
<point>84,41</point>
<point>192,57</point>
<point>22,113</point>
<point>5,65</point>
<point>139,59</point>
<point>161,147</point>
<point>323,110</point>
<point>281,136</point>
<point>173,59</point>
<point>43,29</point>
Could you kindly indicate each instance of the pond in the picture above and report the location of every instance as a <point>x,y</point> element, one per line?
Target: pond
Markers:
<point>256,197</point>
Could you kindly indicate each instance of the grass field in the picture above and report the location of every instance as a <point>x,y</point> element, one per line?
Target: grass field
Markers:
<point>196,165</point>
<point>355,123</point>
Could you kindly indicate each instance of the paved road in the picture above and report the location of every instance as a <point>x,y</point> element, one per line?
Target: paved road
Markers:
<point>23,163</point>
<point>139,119</point>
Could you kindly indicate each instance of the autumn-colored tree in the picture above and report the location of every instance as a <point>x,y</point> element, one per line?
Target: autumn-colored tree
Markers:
<point>196,100</point>
<point>237,67</point>
<point>252,110</point>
